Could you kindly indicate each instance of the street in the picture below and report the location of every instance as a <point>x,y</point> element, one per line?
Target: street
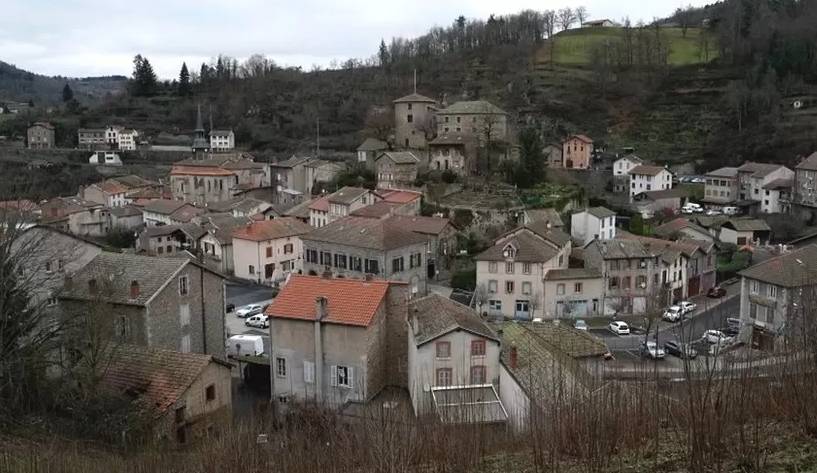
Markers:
<point>241,295</point>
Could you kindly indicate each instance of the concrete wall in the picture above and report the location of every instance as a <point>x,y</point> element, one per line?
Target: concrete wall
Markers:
<point>515,400</point>
<point>247,253</point>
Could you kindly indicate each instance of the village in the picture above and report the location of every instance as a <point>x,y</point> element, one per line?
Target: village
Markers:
<point>435,289</point>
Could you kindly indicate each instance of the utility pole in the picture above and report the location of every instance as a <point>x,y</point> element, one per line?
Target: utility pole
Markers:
<point>318,137</point>
<point>415,81</point>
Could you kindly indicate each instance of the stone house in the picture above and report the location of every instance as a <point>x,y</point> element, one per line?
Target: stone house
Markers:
<point>630,272</point>
<point>577,152</point>
<point>240,206</point>
<point>404,202</point>
<point>359,246</point>
<point>191,394</point>
<point>453,152</point>
<point>413,120</point>
<point>268,251</point>
<point>553,155</point>
<point>645,178</point>
<point>346,200</point>
<point>77,216</point>
<point>623,165</point>
<point>128,217</point>
<point>337,340</point>
<point>572,293</point>
<point>681,228</point>
<point>453,363</point>
<point>595,223</point>
<point>752,177</point>
<point>319,212</point>
<point>804,192</point>
<point>169,240</point>
<point>320,171</point>
<point>396,169</point>
<point>721,187</point>
<point>108,193</point>
<point>369,150</point>
<point>511,273</point>
<point>776,297</point>
<point>215,240</point>
<point>169,212</point>
<point>40,135</point>
<point>216,179</point>
<point>745,231</point>
<point>168,303</point>
<point>777,196</point>
<point>290,174</point>
<point>673,264</point>
<point>477,119</point>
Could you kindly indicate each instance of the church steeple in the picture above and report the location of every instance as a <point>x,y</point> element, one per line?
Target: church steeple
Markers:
<point>200,143</point>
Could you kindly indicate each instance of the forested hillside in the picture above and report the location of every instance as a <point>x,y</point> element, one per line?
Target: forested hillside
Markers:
<point>23,86</point>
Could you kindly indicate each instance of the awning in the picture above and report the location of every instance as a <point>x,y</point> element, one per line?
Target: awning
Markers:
<point>472,404</point>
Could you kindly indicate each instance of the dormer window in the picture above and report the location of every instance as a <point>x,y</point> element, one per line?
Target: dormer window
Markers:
<point>509,252</point>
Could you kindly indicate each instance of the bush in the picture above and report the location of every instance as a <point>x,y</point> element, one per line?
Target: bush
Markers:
<point>463,218</point>
<point>466,279</point>
<point>449,176</point>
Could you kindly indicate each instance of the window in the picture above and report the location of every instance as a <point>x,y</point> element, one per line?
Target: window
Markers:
<point>509,287</point>
<point>269,252</point>
<point>210,392</point>
<point>326,258</point>
<point>184,314</point>
<point>752,310</point>
<point>754,287</point>
<point>478,375</point>
<point>269,270</point>
<point>342,376</point>
<point>526,268</point>
<point>492,286</point>
<point>311,256</point>
<point>613,283</point>
<point>443,377</point>
<point>642,263</point>
<point>509,267</point>
<point>641,281</point>
<point>397,265</point>
<point>495,305</point>
<point>560,289</point>
<point>625,282</point>
<point>477,347</point>
<point>251,269</point>
<point>561,260</point>
<point>48,266</point>
<point>280,367</point>
<point>309,372</point>
<point>614,265</point>
<point>577,288</point>
<point>372,266</point>
<point>492,267</point>
<point>415,260</point>
<point>185,348</point>
<point>340,261</point>
<point>443,349</point>
<point>526,288</point>
<point>355,263</point>
<point>180,414</point>
<point>169,249</point>
<point>183,286</point>
<point>772,291</point>
<point>410,118</point>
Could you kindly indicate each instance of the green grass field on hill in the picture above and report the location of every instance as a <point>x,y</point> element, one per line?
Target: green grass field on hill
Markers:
<point>573,47</point>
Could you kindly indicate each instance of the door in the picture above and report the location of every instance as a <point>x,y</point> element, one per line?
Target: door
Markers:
<point>432,270</point>
<point>694,286</point>
<point>522,310</point>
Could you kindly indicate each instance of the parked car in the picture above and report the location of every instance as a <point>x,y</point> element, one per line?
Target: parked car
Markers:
<point>716,291</point>
<point>580,325</point>
<point>731,210</point>
<point>257,321</point>
<point>673,314</point>
<point>692,208</point>
<point>713,212</point>
<point>652,350</point>
<point>681,350</point>
<point>619,328</point>
<point>248,311</point>
<point>687,307</point>
<point>229,308</point>
<point>715,336</point>
<point>732,326</point>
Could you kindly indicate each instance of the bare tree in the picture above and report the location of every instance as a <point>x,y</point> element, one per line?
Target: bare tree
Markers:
<point>582,14</point>
<point>566,18</point>
<point>549,19</point>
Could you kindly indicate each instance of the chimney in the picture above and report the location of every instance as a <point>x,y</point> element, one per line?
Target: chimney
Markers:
<point>92,286</point>
<point>134,289</point>
<point>514,357</point>
<point>320,308</point>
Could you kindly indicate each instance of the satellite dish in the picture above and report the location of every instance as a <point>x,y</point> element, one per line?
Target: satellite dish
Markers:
<point>797,104</point>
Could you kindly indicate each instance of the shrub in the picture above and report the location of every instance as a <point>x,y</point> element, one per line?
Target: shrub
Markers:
<point>449,176</point>
<point>465,279</point>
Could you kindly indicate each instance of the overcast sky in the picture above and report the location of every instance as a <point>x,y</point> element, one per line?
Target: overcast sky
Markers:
<point>95,37</point>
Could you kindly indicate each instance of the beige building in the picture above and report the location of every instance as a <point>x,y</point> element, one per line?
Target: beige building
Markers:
<point>217,179</point>
<point>91,138</point>
<point>477,119</point>
<point>572,293</point>
<point>413,120</point>
<point>267,251</point>
<point>452,152</point>
<point>646,178</point>
<point>41,136</point>
<point>511,273</point>
<point>453,363</point>
<point>337,340</point>
<point>396,169</point>
<point>191,394</point>
<point>577,152</point>
<point>631,275</point>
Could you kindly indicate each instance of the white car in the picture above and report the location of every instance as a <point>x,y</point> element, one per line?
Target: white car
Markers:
<point>580,325</point>
<point>687,306</point>
<point>730,210</point>
<point>713,212</point>
<point>257,321</point>
<point>248,311</point>
<point>673,314</point>
<point>652,350</point>
<point>619,328</point>
<point>715,336</point>
<point>691,207</point>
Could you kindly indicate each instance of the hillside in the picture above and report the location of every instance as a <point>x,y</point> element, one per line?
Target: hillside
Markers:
<point>21,86</point>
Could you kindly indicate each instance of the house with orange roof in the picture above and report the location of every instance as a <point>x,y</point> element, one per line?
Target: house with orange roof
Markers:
<point>267,251</point>
<point>337,340</point>
<point>108,193</point>
<point>406,202</point>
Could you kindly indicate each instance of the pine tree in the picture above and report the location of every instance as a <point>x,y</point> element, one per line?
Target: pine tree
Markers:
<point>144,79</point>
<point>184,81</point>
<point>67,93</point>
<point>384,54</point>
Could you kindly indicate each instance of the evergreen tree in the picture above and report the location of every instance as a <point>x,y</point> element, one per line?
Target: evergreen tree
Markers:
<point>184,81</point>
<point>530,169</point>
<point>144,79</point>
<point>383,54</point>
<point>204,74</point>
<point>67,93</point>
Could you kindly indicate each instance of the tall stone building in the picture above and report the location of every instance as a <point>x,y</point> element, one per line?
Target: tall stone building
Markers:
<point>413,120</point>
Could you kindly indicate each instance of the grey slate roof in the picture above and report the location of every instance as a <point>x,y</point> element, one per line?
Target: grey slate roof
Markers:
<point>400,157</point>
<point>548,215</point>
<point>291,162</point>
<point>553,235</point>
<point>372,144</point>
<point>125,211</point>
<point>415,97</point>
<point>778,184</point>
<point>113,273</point>
<point>221,226</point>
<point>436,316</point>
<point>471,107</point>
<point>759,170</point>
<point>747,225</point>
<point>452,138</point>
<point>619,248</point>
<point>300,210</point>
<point>346,195</point>
<point>797,268</point>
<point>723,172</point>
<point>362,232</point>
<point>601,212</point>
<point>647,170</point>
<point>163,206</point>
<point>571,273</point>
<point>809,164</point>
<point>530,248</point>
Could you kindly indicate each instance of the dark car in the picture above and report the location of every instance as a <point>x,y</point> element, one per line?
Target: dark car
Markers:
<point>716,291</point>
<point>681,350</point>
<point>229,308</point>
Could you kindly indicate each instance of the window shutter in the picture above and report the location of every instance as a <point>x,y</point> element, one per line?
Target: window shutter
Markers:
<point>351,372</point>
<point>309,372</point>
<point>333,375</point>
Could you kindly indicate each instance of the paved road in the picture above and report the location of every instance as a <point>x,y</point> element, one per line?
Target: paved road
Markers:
<point>245,294</point>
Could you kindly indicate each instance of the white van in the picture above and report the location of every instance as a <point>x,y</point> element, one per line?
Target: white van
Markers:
<point>245,345</point>
<point>257,321</point>
<point>730,210</point>
<point>691,207</point>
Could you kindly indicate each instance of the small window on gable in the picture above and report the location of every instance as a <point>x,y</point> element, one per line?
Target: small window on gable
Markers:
<point>509,252</point>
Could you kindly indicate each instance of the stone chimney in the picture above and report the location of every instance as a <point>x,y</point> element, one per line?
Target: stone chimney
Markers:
<point>514,357</point>
<point>134,290</point>
<point>321,304</point>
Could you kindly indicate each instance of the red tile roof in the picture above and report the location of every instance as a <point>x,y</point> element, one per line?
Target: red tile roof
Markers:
<point>349,301</point>
<point>399,196</point>
<point>271,229</point>
<point>321,204</point>
<point>199,171</point>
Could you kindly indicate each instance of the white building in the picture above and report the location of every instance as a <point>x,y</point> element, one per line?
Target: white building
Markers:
<point>108,158</point>
<point>222,140</point>
<point>776,196</point>
<point>112,135</point>
<point>126,139</point>
<point>593,223</point>
<point>266,251</point>
<point>645,178</point>
<point>622,166</point>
